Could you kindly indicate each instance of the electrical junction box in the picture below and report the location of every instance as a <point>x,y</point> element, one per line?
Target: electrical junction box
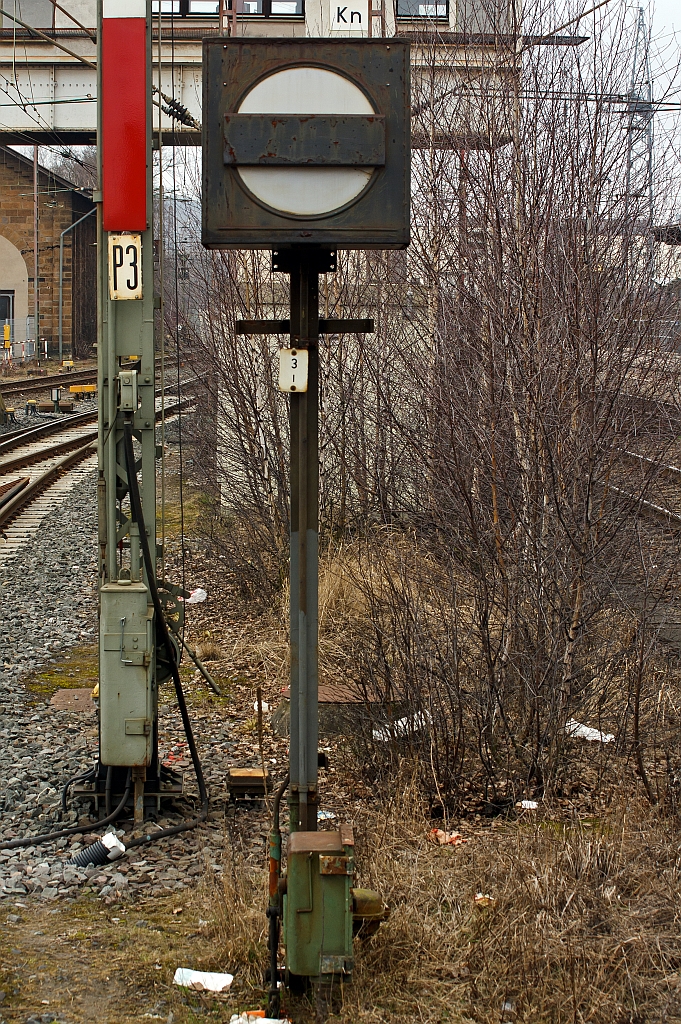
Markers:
<point>317,909</point>
<point>127,383</point>
<point>306,142</point>
<point>127,693</point>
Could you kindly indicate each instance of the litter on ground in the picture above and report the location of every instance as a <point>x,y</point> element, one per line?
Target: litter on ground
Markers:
<point>437,835</point>
<point>402,727</point>
<point>202,981</point>
<point>249,1017</point>
<point>576,731</point>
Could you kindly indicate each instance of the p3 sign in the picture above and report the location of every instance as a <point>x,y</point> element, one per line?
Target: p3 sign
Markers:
<point>125,266</point>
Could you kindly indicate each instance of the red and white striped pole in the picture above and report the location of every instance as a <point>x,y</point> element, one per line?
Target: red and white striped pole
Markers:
<point>127,684</point>
<point>123,54</point>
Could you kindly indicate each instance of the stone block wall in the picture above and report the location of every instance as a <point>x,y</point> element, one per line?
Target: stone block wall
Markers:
<point>59,205</point>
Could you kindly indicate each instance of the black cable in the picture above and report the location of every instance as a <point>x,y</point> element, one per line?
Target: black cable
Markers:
<point>46,837</point>
<point>136,512</point>
<point>75,778</point>
<point>107,789</point>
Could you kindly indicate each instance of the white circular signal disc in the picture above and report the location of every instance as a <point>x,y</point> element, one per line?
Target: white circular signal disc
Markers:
<point>306,191</point>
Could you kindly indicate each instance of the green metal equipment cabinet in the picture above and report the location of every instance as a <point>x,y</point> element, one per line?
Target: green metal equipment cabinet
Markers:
<point>317,907</point>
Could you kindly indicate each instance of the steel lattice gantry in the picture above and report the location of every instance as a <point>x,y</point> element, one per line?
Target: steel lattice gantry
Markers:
<point>639,126</point>
<point>49,96</point>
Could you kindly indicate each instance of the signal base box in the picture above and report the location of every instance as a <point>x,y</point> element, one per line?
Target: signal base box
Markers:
<point>317,909</point>
<point>306,142</point>
<point>127,700</point>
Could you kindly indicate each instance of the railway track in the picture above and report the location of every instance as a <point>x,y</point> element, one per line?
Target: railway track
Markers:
<point>23,435</point>
<point>667,506</point>
<point>35,477</point>
<point>31,385</point>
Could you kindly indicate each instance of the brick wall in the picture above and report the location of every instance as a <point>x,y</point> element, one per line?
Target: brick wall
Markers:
<point>59,206</point>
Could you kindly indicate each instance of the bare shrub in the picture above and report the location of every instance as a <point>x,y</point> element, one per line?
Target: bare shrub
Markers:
<point>472,462</point>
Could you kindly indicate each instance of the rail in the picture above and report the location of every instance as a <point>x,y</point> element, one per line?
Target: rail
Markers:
<point>10,506</point>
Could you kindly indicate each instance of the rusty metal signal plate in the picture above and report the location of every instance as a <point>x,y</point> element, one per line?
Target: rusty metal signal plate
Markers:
<point>330,167</point>
<point>356,140</point>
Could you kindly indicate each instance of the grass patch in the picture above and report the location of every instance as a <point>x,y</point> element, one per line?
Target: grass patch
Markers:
<point>82,960</point>
<point>192,511</point>
<point>581,927</point>
<point>76,670</point>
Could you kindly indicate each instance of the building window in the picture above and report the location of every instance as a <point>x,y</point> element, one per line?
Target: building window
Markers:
<point>211,8</point>
<point>418,9</point>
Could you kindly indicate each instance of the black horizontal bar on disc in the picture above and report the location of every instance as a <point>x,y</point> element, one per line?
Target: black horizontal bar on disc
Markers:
<point>335,140</point>
<point>329,326</point>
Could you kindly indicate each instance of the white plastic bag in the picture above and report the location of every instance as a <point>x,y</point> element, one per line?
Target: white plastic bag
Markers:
<point>402,727</point>
<point>576,731</point>
<point>202,981</point>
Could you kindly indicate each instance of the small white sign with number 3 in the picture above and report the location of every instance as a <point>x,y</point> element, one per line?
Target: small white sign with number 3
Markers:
<point>125,266</point>
<point>293,369</point>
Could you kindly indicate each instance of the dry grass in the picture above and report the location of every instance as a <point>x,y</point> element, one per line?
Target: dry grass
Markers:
<point>240,922</point>
<point>209,650</point>
<point>584,925</point>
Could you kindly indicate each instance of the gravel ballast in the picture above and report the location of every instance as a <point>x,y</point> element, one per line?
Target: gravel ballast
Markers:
<point>48,606</point>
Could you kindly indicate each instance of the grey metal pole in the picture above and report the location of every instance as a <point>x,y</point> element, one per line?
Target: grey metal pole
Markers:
<point>303,796</point>
<point>36,261</point>
<point>61,281</point>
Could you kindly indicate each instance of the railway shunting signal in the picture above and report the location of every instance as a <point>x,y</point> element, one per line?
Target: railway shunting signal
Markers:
<point>306,149</point>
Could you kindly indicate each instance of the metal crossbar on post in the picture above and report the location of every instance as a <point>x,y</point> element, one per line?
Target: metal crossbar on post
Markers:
<point>326,326</point>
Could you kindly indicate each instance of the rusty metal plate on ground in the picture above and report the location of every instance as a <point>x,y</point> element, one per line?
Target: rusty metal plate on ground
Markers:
<point>247,781</point>
<point>72,700</point>
<point>334,693</point>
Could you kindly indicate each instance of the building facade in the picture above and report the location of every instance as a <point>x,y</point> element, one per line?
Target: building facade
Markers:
<point>60,204</point>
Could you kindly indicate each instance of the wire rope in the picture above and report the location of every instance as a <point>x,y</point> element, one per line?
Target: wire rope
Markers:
<point>177,313</point>
<point>161,276</point>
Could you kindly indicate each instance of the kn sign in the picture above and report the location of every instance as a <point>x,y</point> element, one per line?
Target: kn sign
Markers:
<point>306,141</point>
<point>351,19</point>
